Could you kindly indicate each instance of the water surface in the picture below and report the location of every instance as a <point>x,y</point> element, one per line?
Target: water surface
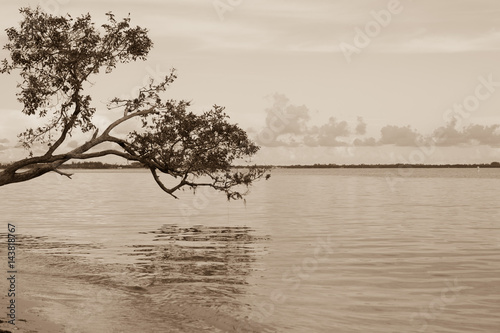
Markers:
<point>330,250</point>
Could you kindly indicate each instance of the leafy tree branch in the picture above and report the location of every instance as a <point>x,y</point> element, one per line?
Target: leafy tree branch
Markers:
<point>56,56</point>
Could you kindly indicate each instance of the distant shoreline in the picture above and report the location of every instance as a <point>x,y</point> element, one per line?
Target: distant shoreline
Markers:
<point>391,166</point>
<point>101,166</point>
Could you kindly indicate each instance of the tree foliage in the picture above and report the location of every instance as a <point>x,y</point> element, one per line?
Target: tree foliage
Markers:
<point>57,55</point>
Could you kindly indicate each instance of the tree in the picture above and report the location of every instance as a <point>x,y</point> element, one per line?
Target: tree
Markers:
<point>57,55</point>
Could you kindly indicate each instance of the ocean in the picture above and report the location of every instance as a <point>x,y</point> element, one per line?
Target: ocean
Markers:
<point>311,250</point>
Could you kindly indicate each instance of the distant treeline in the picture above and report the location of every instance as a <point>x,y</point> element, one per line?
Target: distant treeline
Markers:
<point>137,165</point>
<point>95,165</point>
<point>400,165</point>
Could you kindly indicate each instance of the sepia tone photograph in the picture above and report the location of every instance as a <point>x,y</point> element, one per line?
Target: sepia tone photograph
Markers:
<point>250,166</point>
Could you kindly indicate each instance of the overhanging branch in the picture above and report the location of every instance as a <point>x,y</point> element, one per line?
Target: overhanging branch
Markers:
<point>127,117</point>
<point>63,173</point>
<point>162,186</point>
<point>101,154</point>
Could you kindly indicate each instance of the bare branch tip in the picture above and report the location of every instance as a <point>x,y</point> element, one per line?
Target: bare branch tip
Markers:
<point>63,173</point>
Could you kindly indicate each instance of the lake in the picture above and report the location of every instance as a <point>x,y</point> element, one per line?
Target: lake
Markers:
<point>311,250</point>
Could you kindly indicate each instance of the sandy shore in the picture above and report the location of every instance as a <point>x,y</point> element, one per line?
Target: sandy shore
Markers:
<point>29,318</point>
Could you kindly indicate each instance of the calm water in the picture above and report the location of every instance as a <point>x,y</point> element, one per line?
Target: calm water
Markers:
<point>337,250</point>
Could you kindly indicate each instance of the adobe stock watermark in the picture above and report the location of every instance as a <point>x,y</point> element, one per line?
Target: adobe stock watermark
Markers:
<point>348,150</point>
<point>421,319</point>
<point>471,103</point>
<point>275,126</point>
<point>292,280</point>
<point>221,7</point>
<point>457,113</point>
<point>372,29</point>
<point>200,202</point>
<point>52,7</point>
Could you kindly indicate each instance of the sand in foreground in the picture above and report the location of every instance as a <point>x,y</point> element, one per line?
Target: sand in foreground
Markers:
<point>28,319</point>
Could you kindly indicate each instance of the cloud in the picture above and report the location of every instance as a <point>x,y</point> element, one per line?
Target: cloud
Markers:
<point>448,135</point>
<point>473,134</point>
<point>287,125</point>
<point>450,43</point>
<point>361,126</point>
<point>399,136</point>
<point>445,136</point>
<point>487,135</point>
<point>366,142</point>
<point>329,133</point>
<point>284,118</point>
<point>4,144</point>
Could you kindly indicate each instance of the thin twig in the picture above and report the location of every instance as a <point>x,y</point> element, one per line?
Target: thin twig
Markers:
<point>63,173</point>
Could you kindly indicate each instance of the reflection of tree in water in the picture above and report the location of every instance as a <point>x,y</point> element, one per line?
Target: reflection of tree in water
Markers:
<point>45,244</point>
<point>192,275</point>
<point>198,272</point>
<point>200,254</point>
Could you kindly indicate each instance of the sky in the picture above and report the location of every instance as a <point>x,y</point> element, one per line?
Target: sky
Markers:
<point>317,81</point>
